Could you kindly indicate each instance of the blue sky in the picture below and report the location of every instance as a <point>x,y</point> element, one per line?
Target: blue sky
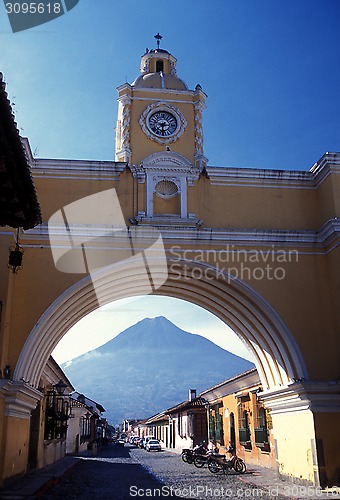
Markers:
<point>270,69</point>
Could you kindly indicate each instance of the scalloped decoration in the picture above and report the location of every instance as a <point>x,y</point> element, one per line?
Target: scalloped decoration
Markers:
<point>166,188</point>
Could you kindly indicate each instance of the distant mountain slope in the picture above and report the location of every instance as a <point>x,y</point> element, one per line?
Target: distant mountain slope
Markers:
<point>149,367</point>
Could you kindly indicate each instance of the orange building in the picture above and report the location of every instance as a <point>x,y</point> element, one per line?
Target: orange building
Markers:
<point>237,417</point>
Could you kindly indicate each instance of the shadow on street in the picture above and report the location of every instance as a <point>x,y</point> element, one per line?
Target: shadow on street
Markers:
<point>112,474</point>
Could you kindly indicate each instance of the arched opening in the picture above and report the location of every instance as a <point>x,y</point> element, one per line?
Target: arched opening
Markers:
<point>114,318</point>
<point>277,356</point>
<point>159,66</point>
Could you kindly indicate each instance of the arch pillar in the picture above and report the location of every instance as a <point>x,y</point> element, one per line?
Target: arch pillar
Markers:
<point>18,399</point>
<point>301,413</point>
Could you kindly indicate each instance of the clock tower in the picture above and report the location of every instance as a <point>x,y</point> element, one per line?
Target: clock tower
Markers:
<point>159,134</point>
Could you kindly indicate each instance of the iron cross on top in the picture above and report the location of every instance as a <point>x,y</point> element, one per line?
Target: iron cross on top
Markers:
<point>158,38</point>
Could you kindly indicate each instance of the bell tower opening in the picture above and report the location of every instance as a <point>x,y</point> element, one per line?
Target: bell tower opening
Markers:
<point>159,66</point>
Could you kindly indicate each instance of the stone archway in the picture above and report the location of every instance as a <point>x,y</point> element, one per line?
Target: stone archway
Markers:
<point>278,359</point>
<point>252,318</point>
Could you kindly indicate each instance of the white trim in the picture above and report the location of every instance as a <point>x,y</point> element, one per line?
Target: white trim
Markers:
<point>233,385</point>
<point>154,99</point>
<point>317,396</point>
<point>20,398</point>
<point>251,177</point>
<point>157,90</point>
<point>172,166</point>
<point>197,236</point>
<point>77,169</point>
<point>168,160</point>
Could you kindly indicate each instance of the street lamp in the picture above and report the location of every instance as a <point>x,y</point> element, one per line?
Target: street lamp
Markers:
<point>60,387</point>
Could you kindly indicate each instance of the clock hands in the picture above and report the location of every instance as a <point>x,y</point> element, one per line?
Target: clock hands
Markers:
<point>163,124</point>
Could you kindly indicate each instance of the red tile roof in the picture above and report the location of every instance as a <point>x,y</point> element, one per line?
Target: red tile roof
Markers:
<point>19,205</point>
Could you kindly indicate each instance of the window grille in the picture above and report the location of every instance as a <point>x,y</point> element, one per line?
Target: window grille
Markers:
<point>56,415</point>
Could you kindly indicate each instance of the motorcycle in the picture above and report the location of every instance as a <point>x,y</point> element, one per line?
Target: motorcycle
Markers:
<point>201,460</point>
<point>220,463</point>
<point>188,455</point>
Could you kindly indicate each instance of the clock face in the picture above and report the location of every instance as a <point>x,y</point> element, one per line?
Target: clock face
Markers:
<point>163,123</point>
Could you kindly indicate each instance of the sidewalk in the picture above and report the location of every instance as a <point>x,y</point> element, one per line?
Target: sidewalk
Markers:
<point>35,483</point>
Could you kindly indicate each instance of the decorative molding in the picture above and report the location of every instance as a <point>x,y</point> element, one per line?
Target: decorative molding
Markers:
<point>198,107</point>
<point>77,169</point>
<point>168,159</point>
<point>20,398</point>
<point>138,173</point>
<point>124,87</point>
<point>167,188</point>
<point>173,67</point>
<point>170,92</point>
<point>288,179</point>
<point>168,165</point>
<point>49,168</point>
<point>175,222</point>
<point>233,385</point>
<point>303,395</point>
<point>124,128</point>
<point>146,68</point>
<point>319,242</point>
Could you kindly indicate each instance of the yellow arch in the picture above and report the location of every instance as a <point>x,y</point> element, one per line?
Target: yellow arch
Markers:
<point>278,358</point>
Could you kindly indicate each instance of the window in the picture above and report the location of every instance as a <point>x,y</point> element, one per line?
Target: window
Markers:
<point>56,415</point>
<point>159,66</point>
<point>232,431</point>
<point>261,430</point>
<point>244,429</point>
<point>180,425</point>
<point>85,428</point>
<point>219,428</point>
<point>200,424</point>
<point>212,432</point>
<point>216,433</point>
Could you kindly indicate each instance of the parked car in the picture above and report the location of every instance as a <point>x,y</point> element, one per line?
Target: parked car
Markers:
<point>153,445</point>
<point>147,439</point>
<point>141,442</point>
<point>135,440</point>
<point>120,442</point>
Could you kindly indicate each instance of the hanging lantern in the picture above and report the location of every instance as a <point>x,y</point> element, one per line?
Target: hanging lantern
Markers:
<point>15,256</point>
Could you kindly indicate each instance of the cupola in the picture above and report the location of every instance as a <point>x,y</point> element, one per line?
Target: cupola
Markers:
<point>158,68</point>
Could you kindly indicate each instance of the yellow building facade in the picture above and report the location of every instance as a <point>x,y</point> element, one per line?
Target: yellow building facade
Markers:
<point>238,419</point>
<point>258,248</point>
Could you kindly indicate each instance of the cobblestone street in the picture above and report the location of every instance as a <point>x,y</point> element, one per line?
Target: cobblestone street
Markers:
<point>124,473</point>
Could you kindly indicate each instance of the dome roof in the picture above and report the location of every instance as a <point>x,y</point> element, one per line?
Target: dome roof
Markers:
<point>160,81</point>
<point>157,51</point>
